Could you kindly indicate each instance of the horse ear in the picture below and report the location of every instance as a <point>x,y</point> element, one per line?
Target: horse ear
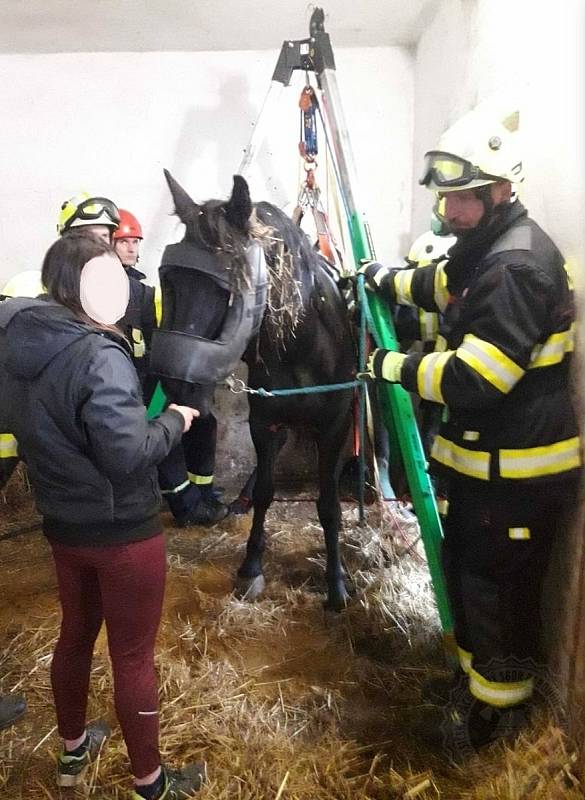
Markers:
<point>184,205</point>
<point>239,207</point>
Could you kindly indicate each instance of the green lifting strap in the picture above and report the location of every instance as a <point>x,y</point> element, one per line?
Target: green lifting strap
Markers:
<point>157,402</point>
<point>400,421</point>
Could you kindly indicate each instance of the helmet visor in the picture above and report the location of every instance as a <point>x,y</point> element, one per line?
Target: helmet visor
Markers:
<point>93,208</point>
<point>444,170</point>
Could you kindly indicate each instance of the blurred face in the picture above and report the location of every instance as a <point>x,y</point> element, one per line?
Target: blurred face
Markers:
<point>104,289</point>
<point>463,210</point>
<point>127,250</point>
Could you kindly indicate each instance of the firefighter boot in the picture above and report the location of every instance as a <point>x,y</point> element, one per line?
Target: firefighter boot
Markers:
<point>460,730</point>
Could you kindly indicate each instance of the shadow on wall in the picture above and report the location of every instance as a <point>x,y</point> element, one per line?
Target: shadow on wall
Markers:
<point>220,132</point>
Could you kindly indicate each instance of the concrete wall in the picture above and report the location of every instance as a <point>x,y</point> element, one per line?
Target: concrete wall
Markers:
<point>109,122</point>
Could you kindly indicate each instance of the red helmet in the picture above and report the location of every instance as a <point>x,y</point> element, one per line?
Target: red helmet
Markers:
<point>129,227</point>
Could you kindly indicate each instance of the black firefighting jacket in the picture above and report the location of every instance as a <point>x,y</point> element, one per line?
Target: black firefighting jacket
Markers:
<point>138,323</point>
<point>501,362</point>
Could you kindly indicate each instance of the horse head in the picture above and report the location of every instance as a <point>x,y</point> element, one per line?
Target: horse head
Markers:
<point>213,285</point>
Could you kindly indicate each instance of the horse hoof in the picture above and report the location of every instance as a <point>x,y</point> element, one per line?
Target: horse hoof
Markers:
<point>337,604</point>
<point>250,588</point>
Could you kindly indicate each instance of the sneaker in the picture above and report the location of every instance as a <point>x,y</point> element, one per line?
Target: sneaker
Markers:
<point>71,769</point>
<point>12,708</point>
<point>206,512</point>
<point>180,783</point>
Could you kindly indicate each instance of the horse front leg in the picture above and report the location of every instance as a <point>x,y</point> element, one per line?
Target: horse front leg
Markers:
<point>330,443</point>
<point>268,441</point>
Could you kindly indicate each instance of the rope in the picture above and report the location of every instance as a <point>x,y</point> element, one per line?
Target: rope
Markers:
<point>328,387</point>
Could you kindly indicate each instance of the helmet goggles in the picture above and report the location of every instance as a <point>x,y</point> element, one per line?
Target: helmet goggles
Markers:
<point>93,208</point>
<point>445,170</point>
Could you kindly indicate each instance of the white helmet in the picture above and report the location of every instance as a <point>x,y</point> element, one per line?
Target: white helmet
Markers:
<point>479,149</point>
<point>25,284</point>
<point>429,247</point>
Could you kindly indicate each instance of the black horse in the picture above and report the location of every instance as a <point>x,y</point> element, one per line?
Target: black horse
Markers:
<point>304,339</point>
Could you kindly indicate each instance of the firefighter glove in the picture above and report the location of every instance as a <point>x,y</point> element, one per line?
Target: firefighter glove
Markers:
<point>373,272</point>
<point>385,364</point>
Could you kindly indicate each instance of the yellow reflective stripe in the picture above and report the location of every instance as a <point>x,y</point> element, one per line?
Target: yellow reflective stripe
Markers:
<point>402,283</point>
<point>532,462</point>
<point>138,345</point>
<point>471,436</point>
<point>200,480</point>
<point>519,534</point>
<point>568,265</point>
<point>442,506</point>
<point>554,349</point>
<point>440,344</point>
<point>158,304</point>
<point>8,446</point>
<point>464,659</point>
<point>500,694</point>
<point>441,292</point>
<point>380,275</point>
<point>490,362</point>
<point>430,374</point>
<point>475,463</point>
<point>429,325</point>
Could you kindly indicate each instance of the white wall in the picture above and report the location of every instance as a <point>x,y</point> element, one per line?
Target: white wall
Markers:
<point>108,124</point>
<point>473,49</point>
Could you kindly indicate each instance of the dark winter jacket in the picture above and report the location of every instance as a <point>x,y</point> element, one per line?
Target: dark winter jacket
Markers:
<point>501,365</point>
<point>71,396</point>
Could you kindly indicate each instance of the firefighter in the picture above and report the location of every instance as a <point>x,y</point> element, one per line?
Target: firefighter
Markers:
<point>24,284</point>
<point>508,444</point>
<point>139,320</point>
<point>186,475</point>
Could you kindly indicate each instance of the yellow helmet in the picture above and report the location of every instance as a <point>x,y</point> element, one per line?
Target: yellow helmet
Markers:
<point>25,284</point>
<point>84,209</point>
<point>429,247</point>
<point>480,148</point>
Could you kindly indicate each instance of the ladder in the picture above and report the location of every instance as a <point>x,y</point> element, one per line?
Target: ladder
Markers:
<point>315,54</point>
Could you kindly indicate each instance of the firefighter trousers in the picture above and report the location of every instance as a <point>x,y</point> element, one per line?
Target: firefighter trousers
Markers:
<point>188,469</point>
<point>496,551</point>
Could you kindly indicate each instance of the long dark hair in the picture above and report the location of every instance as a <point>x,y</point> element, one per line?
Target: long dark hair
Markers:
<point>62,265</point>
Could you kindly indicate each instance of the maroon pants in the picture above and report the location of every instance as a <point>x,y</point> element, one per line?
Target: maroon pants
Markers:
<point>123,585</point>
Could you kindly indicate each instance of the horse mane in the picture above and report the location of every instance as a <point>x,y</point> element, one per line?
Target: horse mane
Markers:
<point>292,266</point>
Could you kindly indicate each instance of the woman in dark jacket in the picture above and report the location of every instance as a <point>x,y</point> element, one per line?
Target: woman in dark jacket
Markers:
<point>72,398</point>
